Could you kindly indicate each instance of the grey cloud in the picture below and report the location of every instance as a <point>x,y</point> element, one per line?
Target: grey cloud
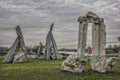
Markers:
<point>35,17</point>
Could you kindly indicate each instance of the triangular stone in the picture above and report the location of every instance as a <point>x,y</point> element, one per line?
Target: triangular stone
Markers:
<point>17,52</point>
<point>51,51</point>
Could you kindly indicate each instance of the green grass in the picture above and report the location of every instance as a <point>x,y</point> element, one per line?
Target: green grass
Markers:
<point>38,69</point>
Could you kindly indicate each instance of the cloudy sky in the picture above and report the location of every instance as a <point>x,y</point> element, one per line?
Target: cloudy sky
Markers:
<point>35,17</point>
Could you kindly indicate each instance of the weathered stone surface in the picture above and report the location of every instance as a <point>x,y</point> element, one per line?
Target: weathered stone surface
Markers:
<point>15,54</point>
<point>98,60</point>
<point>102,64</point>
<point>82,38</point>
<point>20,57</point>
<point>10,55</point>
<point>40,49</point>
<point>90,18</point>
<point>76,62</point>
<point>98,39</point>
<point>73,64</point>
<point>91,15</point>
<point>32,56</point>
<point>51,51</point>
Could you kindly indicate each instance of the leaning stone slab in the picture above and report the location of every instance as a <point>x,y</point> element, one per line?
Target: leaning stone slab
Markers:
<point>40,49</point>
<point>73,64</point>
<point>20,57</point>
<point>17,52</point>
<point>51,46</point>
<point>102,64</point>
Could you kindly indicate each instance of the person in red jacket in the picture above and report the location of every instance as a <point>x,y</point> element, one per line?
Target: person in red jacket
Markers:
<point>89,50</point>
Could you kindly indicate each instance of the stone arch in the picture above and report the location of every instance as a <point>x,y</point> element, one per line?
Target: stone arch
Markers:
<point>98,34</point>
<point>99,61</point>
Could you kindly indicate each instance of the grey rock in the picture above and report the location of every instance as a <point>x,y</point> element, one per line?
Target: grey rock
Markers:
<point>20,57</point>
<point>40,49</point>
<point>102,64</point>
<point>74,64</point>
<point>15,54</point>
<point>99,62</point>
<point>51,51</point>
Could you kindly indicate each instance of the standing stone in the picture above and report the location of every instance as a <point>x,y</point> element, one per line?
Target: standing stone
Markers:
<point>51,51</point>
<point>82,37</point>
<point>98,39</point>
<point>102,39</point>
<point>99,62</point>
<point>40,49</point>
<point>76,62</point>
<point>17,52</point>
<point>95,39</point>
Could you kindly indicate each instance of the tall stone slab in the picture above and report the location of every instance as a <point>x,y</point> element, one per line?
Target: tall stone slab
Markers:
<point>40,49</point>
<point>82,37</point>
<point>102,39</point>
<point>17,52</point>
<point>10,55</point>
<point>21,39</point>
<point>51,51</point>
<point>76,62</point>
<point>55,50</point>
<point>99,61</point>
<point>98,39</point>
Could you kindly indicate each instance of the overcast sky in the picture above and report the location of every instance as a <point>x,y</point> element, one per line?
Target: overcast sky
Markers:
<point>35,17</point>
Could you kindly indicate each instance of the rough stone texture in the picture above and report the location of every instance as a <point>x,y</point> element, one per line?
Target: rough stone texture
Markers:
<point>17,49</point>
<point>10,55</point>
<point>73,64</point>
<point>102,39</point>
<point>90,18</point>
<point>20,57</point>
<point>102,64</point>
<point>32,56</point>
<point>91,15</point>
<point>51,51</point>
<point>82,38</point>
<point>76,62</point>
<point>98,39</point>
<point>40,49</point>
<point>98,60</point>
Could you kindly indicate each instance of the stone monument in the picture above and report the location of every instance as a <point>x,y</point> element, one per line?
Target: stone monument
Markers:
<point>17,52</point>
<point>99,62</point>
<point>51,51</point>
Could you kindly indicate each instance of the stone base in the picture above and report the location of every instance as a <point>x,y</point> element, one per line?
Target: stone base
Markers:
<point>74,64</point>
<point>102,64</point>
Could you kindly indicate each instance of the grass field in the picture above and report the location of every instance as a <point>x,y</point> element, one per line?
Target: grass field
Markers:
<point>38,69</point>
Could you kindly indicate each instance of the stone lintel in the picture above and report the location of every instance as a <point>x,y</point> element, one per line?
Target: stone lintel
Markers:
<point>90,19</point>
